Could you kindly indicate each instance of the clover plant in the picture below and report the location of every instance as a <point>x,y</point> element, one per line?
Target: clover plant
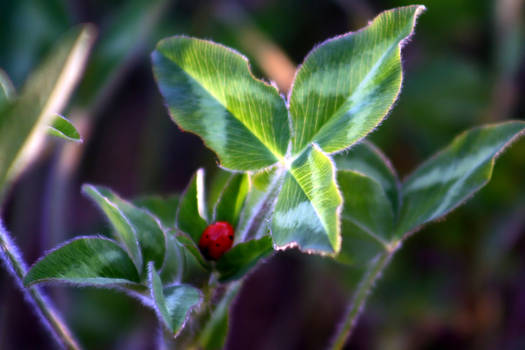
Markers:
<point>299,173</point>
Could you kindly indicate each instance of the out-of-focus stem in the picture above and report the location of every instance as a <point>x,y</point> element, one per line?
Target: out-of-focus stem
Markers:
<point>359,300</point>
<point>269,56</point>
<point>273,61</point>
<point>17,268</point>
<point>508,55</point>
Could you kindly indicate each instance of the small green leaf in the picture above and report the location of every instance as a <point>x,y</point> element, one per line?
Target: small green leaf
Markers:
<point>367,217</point>
<point>191,215</point>
<point>192,248</point>
<point>149,233</point>
<point>63,128</point>
<point>240,259</point>
<point>123,228</point>
<point>367,159</point>
<point>164,208</point>
<point>173,303</point>
<point>85,261</point>
<point>453,175</point>
<point>347,85</point>
<point>308,206</point>
<point>213,335</point>
<point>211,92</point>
<point>23,122</point>
<point>232,199</point>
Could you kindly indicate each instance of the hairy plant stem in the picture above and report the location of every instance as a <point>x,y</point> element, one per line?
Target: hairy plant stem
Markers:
<point>221,305</point>
<point>265,207</point>
<point>42,306</point>
<point>358,302</point>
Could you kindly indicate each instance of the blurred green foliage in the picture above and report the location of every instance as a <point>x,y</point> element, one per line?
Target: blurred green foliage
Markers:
<point>456,284</point>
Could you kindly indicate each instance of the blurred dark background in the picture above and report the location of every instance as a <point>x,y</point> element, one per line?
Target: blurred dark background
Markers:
<point>457,284</point>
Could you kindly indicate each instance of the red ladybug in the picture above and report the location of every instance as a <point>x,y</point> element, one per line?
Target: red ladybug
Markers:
<point>216,240</point>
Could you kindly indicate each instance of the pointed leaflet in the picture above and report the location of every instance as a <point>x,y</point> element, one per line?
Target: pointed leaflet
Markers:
<point>85,261</point>
<point>453,175</point>
<point>22,123</point>
<point>191,215</point>
<point>347,85</point>
<point>307,209</point>
<point>172,303</point>
<point>124,231</point>
<point>61,127</point>
<point>149,233</point>
<point>211,92</point>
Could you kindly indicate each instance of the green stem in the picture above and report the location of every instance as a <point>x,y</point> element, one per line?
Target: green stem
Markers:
<point>359,300</point>
<point>17,268</point>
<point>219,314</point>
<point>265,207</point>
